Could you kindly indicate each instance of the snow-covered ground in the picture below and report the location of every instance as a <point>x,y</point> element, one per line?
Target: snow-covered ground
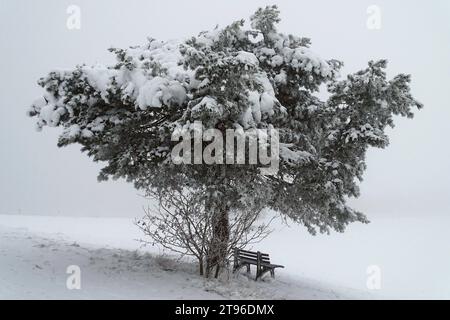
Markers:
<point>411,253</point>
<point>35,252</point>
<point>413,257</point>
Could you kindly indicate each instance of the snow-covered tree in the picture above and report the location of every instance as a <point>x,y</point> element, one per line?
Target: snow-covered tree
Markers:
<point>236,77</point>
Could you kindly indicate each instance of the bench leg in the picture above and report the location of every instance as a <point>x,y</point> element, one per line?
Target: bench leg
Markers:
<point>239,266</point>
<point>263,271</point>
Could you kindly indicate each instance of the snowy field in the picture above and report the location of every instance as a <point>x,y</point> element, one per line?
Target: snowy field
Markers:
<point>413,256</point>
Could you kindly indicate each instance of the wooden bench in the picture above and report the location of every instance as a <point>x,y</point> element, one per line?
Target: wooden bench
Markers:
<point>260,260</point>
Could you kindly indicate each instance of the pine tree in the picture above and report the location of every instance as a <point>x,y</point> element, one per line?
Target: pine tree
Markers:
<point>124,115</point>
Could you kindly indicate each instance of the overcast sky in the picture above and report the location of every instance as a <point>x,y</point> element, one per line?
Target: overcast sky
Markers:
<point>410,177</point>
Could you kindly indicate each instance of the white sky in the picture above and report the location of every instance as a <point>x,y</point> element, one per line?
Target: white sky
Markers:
<point>410,177</point>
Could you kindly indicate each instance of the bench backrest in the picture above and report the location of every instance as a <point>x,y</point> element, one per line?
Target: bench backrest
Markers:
<point>251,255</point>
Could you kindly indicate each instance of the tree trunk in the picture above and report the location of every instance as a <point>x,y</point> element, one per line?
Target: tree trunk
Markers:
<point>218,251</point>
<point>200,263</point>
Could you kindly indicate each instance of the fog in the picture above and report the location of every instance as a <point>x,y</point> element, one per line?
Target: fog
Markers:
<point>409,178</point>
